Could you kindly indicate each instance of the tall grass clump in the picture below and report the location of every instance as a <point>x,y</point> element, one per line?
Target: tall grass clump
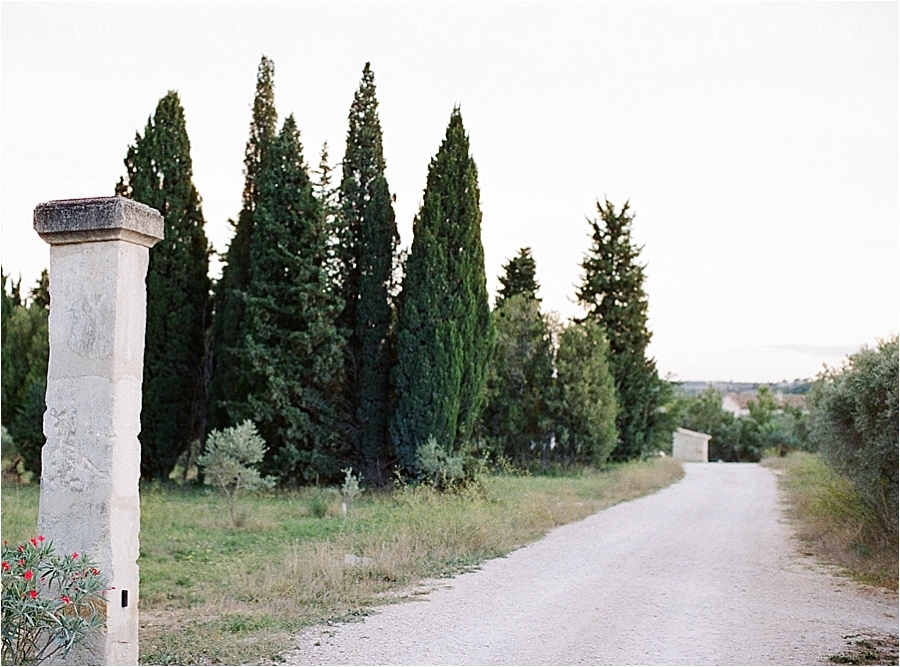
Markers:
<point>836,523</point>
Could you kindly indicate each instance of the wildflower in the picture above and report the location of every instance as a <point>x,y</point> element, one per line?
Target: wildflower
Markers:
<point>29,575</point>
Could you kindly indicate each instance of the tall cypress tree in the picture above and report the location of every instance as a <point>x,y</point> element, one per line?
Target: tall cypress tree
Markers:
<point>160,174</point>
<point>292,342</point>
<point>444,332</point>
<point>230,366</point>
<point>368,237</point>
<point>613,293</point>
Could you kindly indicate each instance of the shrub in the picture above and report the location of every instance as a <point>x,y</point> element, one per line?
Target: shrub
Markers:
<point>230,462</point>
<point>51,603</point>
<point>585,408</point>
<point>350,489</point>
<point>318,500</point>
<point>437,466</point>
<point>854,424</point>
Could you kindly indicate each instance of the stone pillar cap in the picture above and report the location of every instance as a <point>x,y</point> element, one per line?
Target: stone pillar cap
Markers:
<point>98,219</point>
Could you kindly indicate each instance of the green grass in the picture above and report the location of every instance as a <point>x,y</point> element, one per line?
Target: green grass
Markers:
<point>833,521</point>
<point>212,592</point>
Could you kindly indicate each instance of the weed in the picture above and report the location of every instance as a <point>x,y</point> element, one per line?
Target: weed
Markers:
<point>866,649</point>
<point>834,522</point>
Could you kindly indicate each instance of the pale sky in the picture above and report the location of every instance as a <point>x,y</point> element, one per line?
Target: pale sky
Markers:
<point>756,142</point>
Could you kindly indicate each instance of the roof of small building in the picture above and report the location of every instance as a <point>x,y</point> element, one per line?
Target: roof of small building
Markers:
<point>696,434</point>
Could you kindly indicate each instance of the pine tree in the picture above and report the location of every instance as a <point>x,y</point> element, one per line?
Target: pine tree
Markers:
<point>230,368</point>
<point>159,174</point>
<point>368,237</point>
<point>612,291</point>
<point>515,420</point>
<point>519,277</point>
<point>444,332</point>
<point>292,343</point>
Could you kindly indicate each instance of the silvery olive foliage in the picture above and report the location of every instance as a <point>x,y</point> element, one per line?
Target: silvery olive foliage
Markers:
<point>230,462</point>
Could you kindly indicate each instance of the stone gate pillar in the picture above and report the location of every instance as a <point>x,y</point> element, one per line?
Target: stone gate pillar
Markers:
<point>99,251</point>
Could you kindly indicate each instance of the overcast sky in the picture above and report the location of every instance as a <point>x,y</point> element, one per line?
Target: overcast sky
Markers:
<point>757,143</point>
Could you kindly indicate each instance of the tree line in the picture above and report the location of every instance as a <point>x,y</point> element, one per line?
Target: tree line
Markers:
<point>339,351</point>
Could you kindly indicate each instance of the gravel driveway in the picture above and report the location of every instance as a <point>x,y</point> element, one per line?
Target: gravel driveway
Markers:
<point>703,572</point>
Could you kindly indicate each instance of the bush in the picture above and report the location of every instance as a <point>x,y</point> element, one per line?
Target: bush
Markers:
<point>586,406</point>
<point>438,467</point>
<point>230,461</point>
<point>51,603</point>
<point>854,424</point>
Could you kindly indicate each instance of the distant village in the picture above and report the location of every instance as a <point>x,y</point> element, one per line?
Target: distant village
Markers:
<point>737,395</point>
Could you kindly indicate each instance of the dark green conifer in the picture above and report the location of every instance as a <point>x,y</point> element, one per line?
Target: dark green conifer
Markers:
<point>230,367</point>
<point>613,293</point>
<point>367,235</point>
<point>292,343</point>
<point>516,420</point>
<point>25,353</point>
<point>159,174</point>
<point>519,277</point>
<point>444,332</point>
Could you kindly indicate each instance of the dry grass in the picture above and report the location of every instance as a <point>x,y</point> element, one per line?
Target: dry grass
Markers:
<point>835,524</point>
<point>211,593</point>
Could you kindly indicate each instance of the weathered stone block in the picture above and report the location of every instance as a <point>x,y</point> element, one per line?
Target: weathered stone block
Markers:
<point>98,219</point>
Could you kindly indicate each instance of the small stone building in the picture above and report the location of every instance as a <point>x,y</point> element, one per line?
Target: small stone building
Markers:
<point>690,446</point>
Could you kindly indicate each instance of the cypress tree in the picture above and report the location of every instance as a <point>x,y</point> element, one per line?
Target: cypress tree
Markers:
<point>292,343</point>
<point>368,237</point>
<point>160,174</point>
<point>444,331</point>
<point>230,366</point>
<point>519,277</point>
<point>612,291</point>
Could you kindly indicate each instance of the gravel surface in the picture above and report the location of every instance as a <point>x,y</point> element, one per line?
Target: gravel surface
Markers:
<point>704,572</point>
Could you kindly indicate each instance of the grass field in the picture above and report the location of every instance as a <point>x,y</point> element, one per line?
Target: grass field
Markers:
<point>834,523</point>
<point>213,593</point>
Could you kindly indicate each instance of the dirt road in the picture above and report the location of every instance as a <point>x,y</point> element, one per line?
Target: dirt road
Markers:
<point>704,572</point>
